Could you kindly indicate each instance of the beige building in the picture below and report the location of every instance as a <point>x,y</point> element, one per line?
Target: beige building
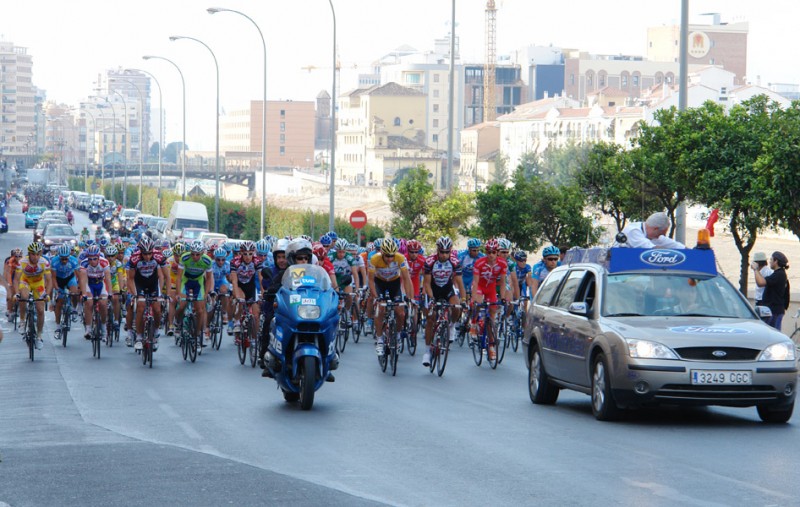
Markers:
<point>17,102</point>
<point>290,135</point>
<point>105,125</point>
<point>61,134</point>
<point>723,44</point>
<point>480,144</point>
<point>380,130</point>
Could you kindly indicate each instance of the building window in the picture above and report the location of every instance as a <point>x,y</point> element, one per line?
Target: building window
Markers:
<point>436,78</point>
<point>412,79</point>
<point>436,122</point>
<point>397,121</point>
<point>435,94</point>
<point>572,79</point>
<point>283,113</point>
<point>283,150</point>
<point>635,80</point>
<point>624,78</point>
<point>283,138</point>
<point>283,126</point>
<point>435,138</point>
<point>711,61</point>
<point>436,108</point>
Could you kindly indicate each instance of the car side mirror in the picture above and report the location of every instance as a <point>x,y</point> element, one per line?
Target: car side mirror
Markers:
<point>764,313</point>
<point>580,308</point>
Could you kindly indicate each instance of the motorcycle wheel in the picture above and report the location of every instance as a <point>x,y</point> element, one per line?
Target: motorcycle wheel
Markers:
<point>307,381</point>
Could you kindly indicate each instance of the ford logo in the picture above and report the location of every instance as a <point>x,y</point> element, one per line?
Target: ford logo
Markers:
<point>719,353</point>
<point>662,257</point>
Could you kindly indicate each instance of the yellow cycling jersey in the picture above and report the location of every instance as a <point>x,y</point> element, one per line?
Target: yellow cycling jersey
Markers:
<point>174,268</point>
<point>30,272</point>
<point>387,271</point>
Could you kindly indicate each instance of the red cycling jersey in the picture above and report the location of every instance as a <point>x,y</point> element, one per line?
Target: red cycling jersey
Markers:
<point>487,275</point>
<point>416,269</point>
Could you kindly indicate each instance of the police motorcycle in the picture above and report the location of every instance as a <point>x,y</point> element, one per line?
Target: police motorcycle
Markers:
<point>108,219</point>
<point>94,213</point>
<point>301,352</point>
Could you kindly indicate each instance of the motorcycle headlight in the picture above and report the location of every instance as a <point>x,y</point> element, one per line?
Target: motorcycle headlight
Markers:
<point>308,312</point>
<point>644,349</point>
<point>778,352</point>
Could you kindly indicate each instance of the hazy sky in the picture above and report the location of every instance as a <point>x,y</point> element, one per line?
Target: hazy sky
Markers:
<point>72,41</point>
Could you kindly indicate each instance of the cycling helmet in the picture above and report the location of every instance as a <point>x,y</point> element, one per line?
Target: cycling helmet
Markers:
<point>378,244</point>
<point>492,245</point>
<point>197,246</point>
<point>76,251</point>
<point>402,246</point>
<point>388,247</point>
<point>444,243</point>
<point>504,243</point>
<point>341,244</point>
<point>82,244</point>
<point>111,251</point>
<point>305,237</point>
<point>325,240</point>
<point>89,242</point>
<point>17,252</point>
<point>413,246</point>
<point>281,246</point>
<point>248,246</point>
<point>473,243</point>
<point>262,247</point>
<point>550,250</point>
<point>126,239</point>
<point>145,244</point>
<point>370,246</point>
<point>165,243</point>
<point>520,256</point>
<point>227,246</point>
<point>352,248</point>
<point>361,250</point>
<point>103,242</point>
<point>236,247</point>
<point>35,248</point>
<point>333,235</point>
<point>318,249</point>
<point>64,251</point>
<point>93,251</point>
<point>220,253</point>
<point>167,253</point>
<point>178,249</point>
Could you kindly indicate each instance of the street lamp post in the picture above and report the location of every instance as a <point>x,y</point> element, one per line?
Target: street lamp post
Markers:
<point>86,163</point>
<point>333,121</point>
<point>183,148</point>
<point>160,141</point>
<point>216,113</point>
<point>125,149</point>
<point>141,127</point>
<point>114,144</point>
<point>214,10</point>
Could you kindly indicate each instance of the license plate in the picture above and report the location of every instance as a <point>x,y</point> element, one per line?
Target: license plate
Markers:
<point>721,377</point>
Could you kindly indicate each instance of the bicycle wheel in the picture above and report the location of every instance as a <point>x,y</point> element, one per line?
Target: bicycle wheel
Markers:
<point>341,335</point>
<point>96,327</point>
<point>192,337</point>
<point>435,349</point>
<point>477,349</point>
<point>147,343</point>
<point>254,340</point>
<point>358,324</point>
<point>393,348</point>
<point>15,315</point>
<point>462,328</point>
<point>65,318</point>
<point>443,349</point>
<point>31,335</point>
<point>503,339</point>
<point>241,347</point>
<point>216,327</point>
<point>383,359</point>
<point>184,338</point>
<point>109,327</point>
<point>492,344</point>
<point>518,327</point>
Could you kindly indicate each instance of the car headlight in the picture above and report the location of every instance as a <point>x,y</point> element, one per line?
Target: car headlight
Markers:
<point>308,311</point>
<point>778,352</point>
<point>644,349</point>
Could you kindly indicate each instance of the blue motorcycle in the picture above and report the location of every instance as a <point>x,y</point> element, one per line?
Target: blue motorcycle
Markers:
<point>301,353</point>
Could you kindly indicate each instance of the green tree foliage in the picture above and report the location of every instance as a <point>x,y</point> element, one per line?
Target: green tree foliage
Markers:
<point>447,216</point>
<point>171,152</point>
<point>500,176</point>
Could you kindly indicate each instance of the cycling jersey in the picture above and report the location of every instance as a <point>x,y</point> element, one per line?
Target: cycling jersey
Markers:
<point>343,267</point>
<point>95,275</point>
<point>174,268</point>
<point>416,269</point>
<point>488,275</point>
<point>221,273</point>
<point>31,273</point>
<point>522,276</point>
<point>146,271</point>
<point>441,273</point>
<point>388,271</point>
<point>194,269</point>
<point>539,271</point>
<point>65,272</point>
<point>246,276</point>
<point>467,261</point>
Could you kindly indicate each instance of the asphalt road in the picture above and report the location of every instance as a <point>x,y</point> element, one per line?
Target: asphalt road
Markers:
<point>80,431</point>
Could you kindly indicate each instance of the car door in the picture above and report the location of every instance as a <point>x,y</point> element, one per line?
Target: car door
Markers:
<point>540,316</point>
<point>575,331</point>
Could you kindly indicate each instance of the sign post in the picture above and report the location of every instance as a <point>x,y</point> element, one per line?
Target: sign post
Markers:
<point>358,219</point>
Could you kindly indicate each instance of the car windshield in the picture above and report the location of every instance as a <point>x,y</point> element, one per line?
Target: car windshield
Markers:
<point>183,223</point>
<point>37,210</point>
<point>192,233</point>
<point>656,294</point>
<point>59,230</point>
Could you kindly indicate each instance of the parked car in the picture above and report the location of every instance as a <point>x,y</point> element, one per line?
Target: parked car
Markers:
<point>51,213</point>
<point>32,216</point>
<point>185,214</point>
<point>636,327</point>
<point>129,214</point>
<point>157,227</point>
<point>57,234</point>
<point>212,239</point>
<point>192,233</point>
<point>40,226</point>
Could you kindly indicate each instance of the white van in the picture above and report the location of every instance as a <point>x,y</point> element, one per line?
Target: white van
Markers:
<point>185,214</point>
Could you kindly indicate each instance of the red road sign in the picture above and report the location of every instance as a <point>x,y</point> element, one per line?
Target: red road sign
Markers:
<point>358,219</point>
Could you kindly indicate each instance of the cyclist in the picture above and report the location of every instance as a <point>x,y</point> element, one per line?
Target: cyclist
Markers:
<point>195,275</point>
<point>146,274</point>
<point>66,270</point>
<point>523,271</point>
<point>442,277</point>
<point>244,278</point>
<point>9,274</point>
<point>388,272</point>
<point>540,270</point>
<point>171,287</point>
<point>487,272</point>
<point>84,233</point>
<point>117,274</point>
<point>33,277</point>
<point>221,270</point>
<point>95,281</point>
<point>511,283</point>
<point>346,267</point>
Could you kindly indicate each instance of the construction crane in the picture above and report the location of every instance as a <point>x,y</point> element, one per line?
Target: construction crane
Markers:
<point>339,66</point>
<point>489,93</point>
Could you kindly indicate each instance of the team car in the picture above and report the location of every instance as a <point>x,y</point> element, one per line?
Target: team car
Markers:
<point>641,327</point>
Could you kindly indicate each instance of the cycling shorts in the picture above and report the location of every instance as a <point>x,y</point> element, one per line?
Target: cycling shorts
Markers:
<point>392,287</point>
<point>149,288</point>
<point>489,292</point>
<point>98,289</point>
<point>444,293</point>
<point>35,288</point>
<point>222,282</point>
<point>250,290</point>
<point>196,287</point>
<point>66,283</point>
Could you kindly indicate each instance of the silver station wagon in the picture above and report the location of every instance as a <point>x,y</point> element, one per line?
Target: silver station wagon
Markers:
<point>636,327</point>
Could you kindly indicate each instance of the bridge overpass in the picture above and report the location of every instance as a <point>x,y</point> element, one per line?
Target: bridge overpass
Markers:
<point>246,178</point>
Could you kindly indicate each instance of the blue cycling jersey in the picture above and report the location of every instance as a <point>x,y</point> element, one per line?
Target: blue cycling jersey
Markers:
<point>64,269</point>
<point>466,262</point>
<point>539,271</point>
<point>522,275</point>
<point>221,272</point>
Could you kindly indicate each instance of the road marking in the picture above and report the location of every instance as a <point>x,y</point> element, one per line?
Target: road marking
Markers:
<point>190,432</point>
<point>169,411</point>
<point>153,395</point>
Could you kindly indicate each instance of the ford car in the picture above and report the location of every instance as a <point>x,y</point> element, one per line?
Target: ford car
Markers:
<point>635,328</point>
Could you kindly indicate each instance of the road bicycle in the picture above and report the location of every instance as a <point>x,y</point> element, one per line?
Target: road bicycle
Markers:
<point>440,344</point>
<point>486,340</point>
<point>215,324</point>
<point>391,347</point>
<point>411,329</point>
<point>188,333</point>
<point>95,335</point>
<point>31,315</point>
<point>245,338</point>
<point>149,344</point>
<point>345,326</point>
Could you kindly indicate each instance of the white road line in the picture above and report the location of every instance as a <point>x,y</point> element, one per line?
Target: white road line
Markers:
<point>190,432</point>
<point>169,411</point>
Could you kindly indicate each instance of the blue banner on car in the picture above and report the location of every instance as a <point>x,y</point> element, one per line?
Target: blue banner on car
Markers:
<point>635,259</point>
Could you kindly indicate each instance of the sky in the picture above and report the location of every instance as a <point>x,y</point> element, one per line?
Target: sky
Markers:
<point>72,42</point>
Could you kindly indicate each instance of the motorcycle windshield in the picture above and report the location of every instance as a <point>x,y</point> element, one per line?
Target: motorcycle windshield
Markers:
<point>305,275</point>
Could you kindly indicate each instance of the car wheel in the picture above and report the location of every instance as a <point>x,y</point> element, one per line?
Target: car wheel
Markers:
<point>775,415</point>
<point>604,407</point>
<point>540,389</point>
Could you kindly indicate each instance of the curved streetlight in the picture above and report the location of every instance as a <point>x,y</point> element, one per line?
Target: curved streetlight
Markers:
<point>141,126</point>
<point>114,145</point>
<point>214,10</point>
<point>86,164</point>
<point>333,119</point>
<point>183,148</point>
<point>125,149</point>
<point>160,141</point>
<point>216,66</point>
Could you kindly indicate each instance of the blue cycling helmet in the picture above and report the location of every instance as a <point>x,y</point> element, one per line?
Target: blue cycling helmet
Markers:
<point>236,247</point>
<point>326,240</point>
<point>82,244</point>
<point>520,256</point>
<point>551,250</point>
<point>89,242</point>
<point>333,235</point>
<point>473,243</point>
<point>227,246</point>
<point>220,253</point>
<point>64,251</point>
<point>377,243</point>
<point>93,251</point>
<point>103,242</point>
<point>262,247</point>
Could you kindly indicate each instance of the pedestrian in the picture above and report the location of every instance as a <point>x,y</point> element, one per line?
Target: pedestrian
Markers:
<point>650,233</point>
<point>761,259</point>
<point>776,292</point>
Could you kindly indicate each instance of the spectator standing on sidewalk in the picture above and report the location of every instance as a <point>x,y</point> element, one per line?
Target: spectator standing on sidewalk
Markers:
<point>761,259</point>
<point>776,292</point>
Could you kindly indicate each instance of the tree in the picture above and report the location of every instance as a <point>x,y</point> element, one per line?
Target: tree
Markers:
<point>500,170</point>
<point>447,215</point>
<point>154,151</point>
<point>409,202</point>
<point>171,152</point>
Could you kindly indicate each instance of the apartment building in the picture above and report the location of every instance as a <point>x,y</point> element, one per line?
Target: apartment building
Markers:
<point>134,86</point>
<point>105,135</point>
<point>18,135</point>
<point>480,145</point>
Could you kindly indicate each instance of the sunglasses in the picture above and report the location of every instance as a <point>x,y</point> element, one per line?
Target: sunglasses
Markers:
<point>303,257</point>
<point>551,258</point>
<point>247,253</point>
<point>504,252</point>
<point>147,253</point>
<point>413,252</point>
<point>94,258</point>
<point>447,252</point>
<point>491,252</point>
